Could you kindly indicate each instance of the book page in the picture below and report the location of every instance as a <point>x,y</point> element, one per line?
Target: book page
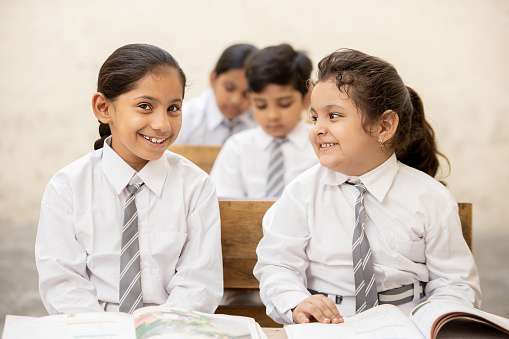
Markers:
<point>431,315</point>
<point>158,321</point>
<point>64,326</point>
<point>385,321</point>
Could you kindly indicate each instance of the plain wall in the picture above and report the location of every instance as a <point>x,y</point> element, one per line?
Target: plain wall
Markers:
<point>453,52</point>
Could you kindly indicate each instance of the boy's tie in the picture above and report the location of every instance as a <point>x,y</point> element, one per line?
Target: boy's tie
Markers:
<point>366,295</point>
<point>275,180</point>
<point>130,297</point>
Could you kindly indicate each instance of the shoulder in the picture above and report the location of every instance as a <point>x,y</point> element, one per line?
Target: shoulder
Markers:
<point>419,189</point>
<point>307,183</point>
<point>179,165</point>
<point>80,169</point>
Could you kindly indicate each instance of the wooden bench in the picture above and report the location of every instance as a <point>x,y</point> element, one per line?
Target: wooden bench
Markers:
<point>203,156</point>
<point>241,230</point>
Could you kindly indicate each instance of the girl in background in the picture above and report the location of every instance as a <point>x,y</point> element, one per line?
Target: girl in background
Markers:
<point>222,110</point>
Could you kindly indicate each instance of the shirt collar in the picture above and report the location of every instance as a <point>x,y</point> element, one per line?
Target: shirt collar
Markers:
<point>119,173</point>
<point>295,137</point>
<point>377,181</point>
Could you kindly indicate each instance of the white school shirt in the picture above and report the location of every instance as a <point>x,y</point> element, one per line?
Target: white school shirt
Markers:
<point>412,225</point>
<point>204,124</point>
<point>80,233</point>
<point>241,167</point>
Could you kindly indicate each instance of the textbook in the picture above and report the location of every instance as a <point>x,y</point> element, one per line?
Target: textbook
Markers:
<point>147,322</point>
<point>430,319</point>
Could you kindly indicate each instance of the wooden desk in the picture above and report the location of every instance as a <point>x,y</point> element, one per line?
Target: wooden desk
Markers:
<point>275,333</point>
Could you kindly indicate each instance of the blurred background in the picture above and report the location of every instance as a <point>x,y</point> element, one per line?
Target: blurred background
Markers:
<point>455,53</point>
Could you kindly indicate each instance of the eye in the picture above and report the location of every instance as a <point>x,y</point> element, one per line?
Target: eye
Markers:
<point>285,104</point>
<point>334,115</point>
<point>313,119</point>
<point>261,106</point>
<point>229,87</point>
<point>144,106</point>
<point>173,108</point>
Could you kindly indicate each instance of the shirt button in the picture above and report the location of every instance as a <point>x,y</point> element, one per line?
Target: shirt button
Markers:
<point>366,218</point>
<point>387,284</point>
<point>141,266</point>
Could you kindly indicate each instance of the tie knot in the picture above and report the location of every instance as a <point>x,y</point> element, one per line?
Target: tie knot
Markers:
<point>279,141</point>
<point>134,188</point>
<point>359,185</point>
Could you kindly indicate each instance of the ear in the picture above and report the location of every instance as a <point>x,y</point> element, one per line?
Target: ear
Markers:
<point>213,77</point>
<point>101,107</point>
<point>388,125</point>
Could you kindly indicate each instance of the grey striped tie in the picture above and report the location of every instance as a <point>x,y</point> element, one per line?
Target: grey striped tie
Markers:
<point>366,295</point>
<point>130,297</point>
<point>275,180</point>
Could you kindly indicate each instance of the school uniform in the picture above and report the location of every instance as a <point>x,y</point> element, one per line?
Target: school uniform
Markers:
<point>412,225</point>
<point>80,231</point>
<point>241,167</point>
<point>204,124</point>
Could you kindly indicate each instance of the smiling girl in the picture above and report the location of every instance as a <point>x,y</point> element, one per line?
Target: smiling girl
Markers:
<point>370,224</point>
<point>81,244</point>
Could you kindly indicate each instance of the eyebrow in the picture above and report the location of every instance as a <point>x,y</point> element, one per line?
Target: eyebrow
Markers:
<point>288,97</point>
<point>148,97</point>
<point>328,108</point>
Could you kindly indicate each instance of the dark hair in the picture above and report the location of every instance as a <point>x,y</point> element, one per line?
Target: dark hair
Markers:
<point>125,67</point>
<point>375,86</point>
<point>234,57</point>
<point>280,65</point>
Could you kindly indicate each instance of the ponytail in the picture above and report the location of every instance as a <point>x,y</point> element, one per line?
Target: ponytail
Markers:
<point>104,132</point>
<point>421,152</point>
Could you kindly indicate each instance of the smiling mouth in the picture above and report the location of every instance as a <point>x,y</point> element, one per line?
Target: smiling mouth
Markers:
<point>328,145</point>
<point>154,140</point>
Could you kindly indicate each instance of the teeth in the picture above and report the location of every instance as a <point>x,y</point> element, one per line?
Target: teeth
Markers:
<point>326,145</point>
<point>154,140</point>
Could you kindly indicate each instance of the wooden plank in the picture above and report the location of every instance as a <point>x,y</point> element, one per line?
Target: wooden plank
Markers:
<point>256,312</point>
<point>202,155</point>
<point>465,211</point>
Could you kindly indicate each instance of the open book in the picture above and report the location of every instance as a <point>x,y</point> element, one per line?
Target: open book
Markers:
<point>430,319</point>
<point>147,322</point>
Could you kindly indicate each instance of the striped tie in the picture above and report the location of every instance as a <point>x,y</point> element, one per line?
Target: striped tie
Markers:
<point>130,297</point>
<point>366,295</point>
<point>275,181</point>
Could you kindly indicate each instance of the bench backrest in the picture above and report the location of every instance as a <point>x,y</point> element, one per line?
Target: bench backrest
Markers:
<point>202,156</point>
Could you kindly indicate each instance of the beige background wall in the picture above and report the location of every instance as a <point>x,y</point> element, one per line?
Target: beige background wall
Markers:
<point>455,53</point>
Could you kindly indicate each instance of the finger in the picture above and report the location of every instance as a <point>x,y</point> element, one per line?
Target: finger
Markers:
<point>329,310</point>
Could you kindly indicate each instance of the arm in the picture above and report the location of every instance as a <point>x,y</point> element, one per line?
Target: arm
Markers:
<point>226,173</point>
<point>282,264</point>
<point>453,274</point>
<point>61,260</point>
<point>198,281</point>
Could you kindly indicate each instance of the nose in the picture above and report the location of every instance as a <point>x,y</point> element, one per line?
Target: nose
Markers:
<point>161,122</point>
<point>273,113</point>
<point>318,128</point>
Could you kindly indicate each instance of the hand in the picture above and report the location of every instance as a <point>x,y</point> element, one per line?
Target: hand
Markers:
<point>317,308</point>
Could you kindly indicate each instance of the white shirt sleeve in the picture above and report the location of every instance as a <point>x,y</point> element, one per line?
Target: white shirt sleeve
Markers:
<point>452,270</point>
<point>61,261</point>
<point>282,259</point>
<point>198,280</point>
